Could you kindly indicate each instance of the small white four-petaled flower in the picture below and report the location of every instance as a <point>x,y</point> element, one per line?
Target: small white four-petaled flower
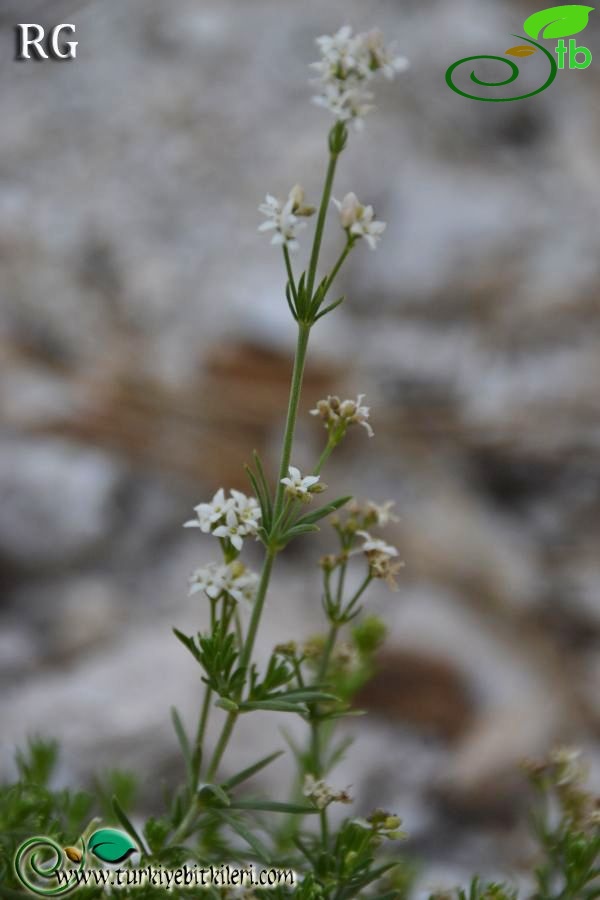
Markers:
<point>301,487</point>
<point>375,545</point>
<point>357,220</point>
<point>285,218</point>
<point>381,512</point>
<point>233,579</point>
<point>234,517</point>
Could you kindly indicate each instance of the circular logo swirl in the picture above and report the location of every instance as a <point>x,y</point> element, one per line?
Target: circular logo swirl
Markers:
<point>39,860</point>
<point>514,74</point>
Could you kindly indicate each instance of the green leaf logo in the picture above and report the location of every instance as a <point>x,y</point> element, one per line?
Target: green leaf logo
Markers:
<point>558,21</point>
<point>110,845</point>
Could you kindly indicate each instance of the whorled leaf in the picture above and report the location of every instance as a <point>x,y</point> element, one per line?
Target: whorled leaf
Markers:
<point>557,21</point>
<point>521,50</point>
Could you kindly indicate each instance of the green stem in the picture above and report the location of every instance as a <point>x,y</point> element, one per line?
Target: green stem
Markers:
<point>201,732</point>
<point>292,413</point>
<point>340,586</point>
<point>327,651</point>
<point>186,825</point>
<point>245,658</point>
<point>338,266</point>
<point>356,597</point>
<point>324,829</point>
<point>329,448</point>
<point>316,248</point>
<point>290,273</point>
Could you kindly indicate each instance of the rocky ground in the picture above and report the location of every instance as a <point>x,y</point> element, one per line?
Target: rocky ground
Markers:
<point>144,352</point>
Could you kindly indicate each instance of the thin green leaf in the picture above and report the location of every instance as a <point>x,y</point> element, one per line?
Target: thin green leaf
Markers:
<point>274,806</point>
<point>250,770</point>
<point>251,839</point>
<point>188,643</point>
<point>344,714</point>
<point>259,494</point>
<point>183,739</point>
<point>272,706</point>
<point>305,851</point>
<point>329,309</point>
<point>297,752</point>
<point>323,511</point>
<point>306,696</point>
<point>339,752</point>
<point>290,301</point>
<point>123,820</point>
<point>217,791</point>
<point>263,478</point>
<point>297,530</point>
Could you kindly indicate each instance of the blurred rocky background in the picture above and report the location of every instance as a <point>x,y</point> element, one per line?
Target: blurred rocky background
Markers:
<point>145,351</point>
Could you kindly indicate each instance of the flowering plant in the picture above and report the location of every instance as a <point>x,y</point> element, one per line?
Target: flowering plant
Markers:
<point>210,819</point>
<point>315,680</point>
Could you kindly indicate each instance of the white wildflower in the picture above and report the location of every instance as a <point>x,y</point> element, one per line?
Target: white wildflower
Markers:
<point>322,794</point>
<point>301,487</point>
<point>209,513</point>
<point>338,414</point>
<point>357,220</point>
<point>354,413</point>
<point>351,104</point>
<point>231,530</point>
<point>234,517</point>
<point>209,579</point>
<point>381,513</point>
<point>284,218</point>
<point>383,58</point>
<point>375,545</point>
<point>348,65</point>
<point>233,579</point>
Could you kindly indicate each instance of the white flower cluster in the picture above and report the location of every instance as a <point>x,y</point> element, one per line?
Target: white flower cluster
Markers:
<point>285,218</point>
<point>380,557</point>
<point>336,413</point>
<point>301,487</point>
<point>322,794</point>
<point>234,517</point>
<point>346,69</point>
<point>233,579</point>
<point>357,220</point>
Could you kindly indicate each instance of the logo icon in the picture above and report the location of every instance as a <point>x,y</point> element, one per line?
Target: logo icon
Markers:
<point>40,860</point>
<point>548,24</point>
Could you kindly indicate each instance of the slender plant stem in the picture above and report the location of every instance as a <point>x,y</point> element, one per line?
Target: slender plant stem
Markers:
<point>356,597</point>
<point>324,829</point>
<point>340,585</point>
<point>221,745</point>
<point>338,266</point>
<point>202,730</point>
<point>316,248</point>
<point>245,658</point>
<point>327,651</point>
<point>329,447</point>
<point>290,273</point>
<point>292,413</point>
